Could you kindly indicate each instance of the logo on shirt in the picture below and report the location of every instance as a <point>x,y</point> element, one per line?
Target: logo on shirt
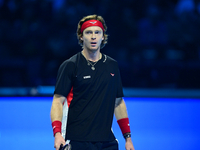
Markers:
<point>112,74</point>
<point>86,77</point>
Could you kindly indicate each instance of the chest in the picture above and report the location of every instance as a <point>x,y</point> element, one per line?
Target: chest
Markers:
<point>103,75</point>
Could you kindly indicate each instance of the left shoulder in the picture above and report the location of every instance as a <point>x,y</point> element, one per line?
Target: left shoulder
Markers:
<point>109,59</point>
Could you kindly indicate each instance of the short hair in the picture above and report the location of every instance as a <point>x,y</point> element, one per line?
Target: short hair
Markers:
<point>92,17</point>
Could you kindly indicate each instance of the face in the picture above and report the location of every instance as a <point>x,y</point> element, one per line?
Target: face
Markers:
<point>92,38</point>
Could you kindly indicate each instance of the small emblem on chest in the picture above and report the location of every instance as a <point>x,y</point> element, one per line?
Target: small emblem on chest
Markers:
<point>86,77</point>
<point>112,74</point>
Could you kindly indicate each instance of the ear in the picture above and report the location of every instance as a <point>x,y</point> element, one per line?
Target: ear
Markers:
<point>103,38</point>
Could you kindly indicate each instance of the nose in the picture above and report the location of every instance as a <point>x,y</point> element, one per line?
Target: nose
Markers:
<point>93,36</point>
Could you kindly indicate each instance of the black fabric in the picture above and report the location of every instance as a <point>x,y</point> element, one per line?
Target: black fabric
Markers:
<point>112,145</point>
<point>67,75</point>
<point>94,92</point>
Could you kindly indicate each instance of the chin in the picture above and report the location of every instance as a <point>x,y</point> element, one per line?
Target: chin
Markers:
<point>93,49</point>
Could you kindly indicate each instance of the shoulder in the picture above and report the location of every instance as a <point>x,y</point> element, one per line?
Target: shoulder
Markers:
<point>110,60</point>
<point>69,63</point>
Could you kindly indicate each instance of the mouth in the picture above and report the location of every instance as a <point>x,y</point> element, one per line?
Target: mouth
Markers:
<point>93,43</point>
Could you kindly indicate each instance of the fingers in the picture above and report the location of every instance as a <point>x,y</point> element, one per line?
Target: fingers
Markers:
<point>63,143</point>
<point>129,147</point>
<point>61,146</point>
<point>58,145</point>
<point>58,141</point>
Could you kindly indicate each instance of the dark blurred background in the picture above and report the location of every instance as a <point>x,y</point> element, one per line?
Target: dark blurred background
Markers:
<point>157,46</point>
<point>156,43</point>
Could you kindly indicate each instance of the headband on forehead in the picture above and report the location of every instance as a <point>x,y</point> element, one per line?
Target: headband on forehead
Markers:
<point>90,23</point>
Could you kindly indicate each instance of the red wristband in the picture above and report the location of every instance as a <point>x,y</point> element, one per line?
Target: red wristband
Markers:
<point>124,125</point>
<point>56,125</point>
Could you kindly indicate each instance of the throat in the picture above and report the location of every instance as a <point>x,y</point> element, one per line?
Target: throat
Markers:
<point>92,57</point>
<point>93,62</point>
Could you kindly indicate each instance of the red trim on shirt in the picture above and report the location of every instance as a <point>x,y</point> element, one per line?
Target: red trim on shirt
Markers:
<point>70,97</point>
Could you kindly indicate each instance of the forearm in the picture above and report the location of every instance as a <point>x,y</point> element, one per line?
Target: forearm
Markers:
<point>56,118</point>
<point>121,111</point>
<point>57,108</point>
<point>122,118</point>
<point>123,121</point>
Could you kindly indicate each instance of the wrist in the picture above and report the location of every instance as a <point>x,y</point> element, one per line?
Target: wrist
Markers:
<point>57,134</point>
<point>124,125</point>
<point>128,139</point>
<point>127,135</point>
<point>56,125</point>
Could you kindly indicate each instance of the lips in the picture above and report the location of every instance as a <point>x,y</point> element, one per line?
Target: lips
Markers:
<point>93,43</point>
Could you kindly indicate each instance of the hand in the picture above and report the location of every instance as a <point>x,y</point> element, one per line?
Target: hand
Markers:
<point>129,144</point>
<point>58,140</point>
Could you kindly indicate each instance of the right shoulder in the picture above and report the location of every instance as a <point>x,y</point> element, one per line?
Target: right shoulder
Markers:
<point>69,63</point>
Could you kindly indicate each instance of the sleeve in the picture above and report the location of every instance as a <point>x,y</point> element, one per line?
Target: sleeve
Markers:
<point>64,78</point>
<point>119,84</point>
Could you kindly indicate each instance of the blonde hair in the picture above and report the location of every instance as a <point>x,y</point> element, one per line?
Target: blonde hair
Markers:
<point>92,17</point>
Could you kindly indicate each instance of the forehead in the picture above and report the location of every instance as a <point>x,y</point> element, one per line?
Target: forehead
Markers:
<point>93,28</point>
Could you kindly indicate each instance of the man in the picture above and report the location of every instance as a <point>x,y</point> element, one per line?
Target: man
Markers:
<point>90,83</point>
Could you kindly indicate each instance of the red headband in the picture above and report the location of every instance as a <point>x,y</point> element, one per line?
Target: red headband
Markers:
<point>90,23</point>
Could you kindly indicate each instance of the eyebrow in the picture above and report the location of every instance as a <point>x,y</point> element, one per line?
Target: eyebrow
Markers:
<point>92,30</point>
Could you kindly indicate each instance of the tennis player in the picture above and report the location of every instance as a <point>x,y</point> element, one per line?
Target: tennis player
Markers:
<point>89,85</point>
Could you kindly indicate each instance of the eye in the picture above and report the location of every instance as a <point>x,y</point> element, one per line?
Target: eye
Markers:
<point>97,32</point>
<point>88,32</point>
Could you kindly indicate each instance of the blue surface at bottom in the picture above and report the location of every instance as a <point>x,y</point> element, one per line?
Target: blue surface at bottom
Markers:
<point>156,123</point>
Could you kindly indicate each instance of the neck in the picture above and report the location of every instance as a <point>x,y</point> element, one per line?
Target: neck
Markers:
<point>92,55</point>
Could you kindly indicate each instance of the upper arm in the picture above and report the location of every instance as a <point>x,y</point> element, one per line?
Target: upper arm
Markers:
<point>57,107</point>
<point>120,111</point>
<point>118,101</point>
<point>59,98</point>
<point>65,78</point>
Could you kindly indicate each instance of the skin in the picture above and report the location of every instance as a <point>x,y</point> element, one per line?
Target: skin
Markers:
<point>93,34</point>
<point>56,114</point>
<point>92,38</point>
<point>121,112</point>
